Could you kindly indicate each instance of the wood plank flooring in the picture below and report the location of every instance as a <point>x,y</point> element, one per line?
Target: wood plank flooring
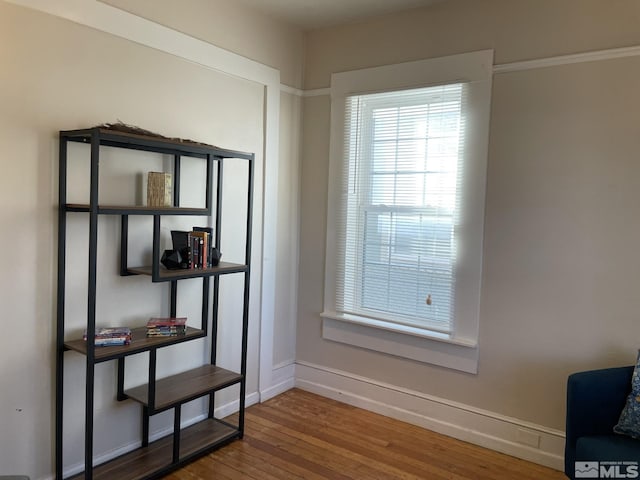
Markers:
<point>299,435</point>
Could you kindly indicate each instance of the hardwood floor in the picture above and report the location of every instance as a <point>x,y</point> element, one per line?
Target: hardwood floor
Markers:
<point>299,435</point>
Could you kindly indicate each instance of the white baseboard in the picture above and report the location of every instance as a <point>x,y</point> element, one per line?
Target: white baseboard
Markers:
<point>220,412</point>
<point>282,379</point>
<point>535,443</point>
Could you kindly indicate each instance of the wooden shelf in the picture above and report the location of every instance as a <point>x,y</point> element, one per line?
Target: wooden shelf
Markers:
<point>148,462</point>
<point>185,386</point>
<point>168,275</point>
<point>137,210</point>
<point>139,343</point>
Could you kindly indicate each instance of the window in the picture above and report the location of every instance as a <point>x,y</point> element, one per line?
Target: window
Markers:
<point>407,174</point>
<point>403,150</point>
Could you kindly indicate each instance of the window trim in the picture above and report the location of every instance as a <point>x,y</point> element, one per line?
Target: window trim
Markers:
<point>475,69</point>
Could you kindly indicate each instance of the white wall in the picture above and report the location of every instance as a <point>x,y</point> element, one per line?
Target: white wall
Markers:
<point>284,341</point>
<point>59,75</point>
<point>560,250</point>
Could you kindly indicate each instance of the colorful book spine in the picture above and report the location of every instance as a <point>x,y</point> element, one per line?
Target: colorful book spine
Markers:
<point>115,341</point>
<point>166,321</point>
<point>195,251</point>
<point>200,248</point>
<point>110,336</point>
<point>166,326</point>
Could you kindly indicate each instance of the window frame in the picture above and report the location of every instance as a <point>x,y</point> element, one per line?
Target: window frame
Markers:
<point>362,204</point>
<point>459,348</point>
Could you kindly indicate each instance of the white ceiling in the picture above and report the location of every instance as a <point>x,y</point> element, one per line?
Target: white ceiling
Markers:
<point>309,14</point>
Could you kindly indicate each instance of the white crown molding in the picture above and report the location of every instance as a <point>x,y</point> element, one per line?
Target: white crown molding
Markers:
<point>291,90</point>
<point>109,19</point>
<point>557,61</point>
<point>568,59</point>
<point>317,92</point>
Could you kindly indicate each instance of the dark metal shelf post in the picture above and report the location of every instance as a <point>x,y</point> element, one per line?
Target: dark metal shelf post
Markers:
<point>247,284</point>
<point>120,395</point>
<point>62,228</point>
<point>216,280</point>
<point>173,298</point>
<point>124,242</point>
<point>91,305</point>
<point>155,261</point>
<point>176,432</point>
<point>176,180</point>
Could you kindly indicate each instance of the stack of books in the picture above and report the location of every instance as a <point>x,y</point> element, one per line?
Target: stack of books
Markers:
<point>200,247</point>
<point>166,326</point>
<point>110,336</point>
<point>196,248</point>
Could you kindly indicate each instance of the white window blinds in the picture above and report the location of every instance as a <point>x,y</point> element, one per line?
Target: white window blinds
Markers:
<point>397,227</point>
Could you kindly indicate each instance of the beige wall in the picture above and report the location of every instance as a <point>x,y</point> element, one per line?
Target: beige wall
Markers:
<point>232,26</point>
<point>517,30</point>
<point>560,252</point>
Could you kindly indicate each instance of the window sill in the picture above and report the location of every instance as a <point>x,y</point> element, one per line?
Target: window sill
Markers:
<point>402,341</point>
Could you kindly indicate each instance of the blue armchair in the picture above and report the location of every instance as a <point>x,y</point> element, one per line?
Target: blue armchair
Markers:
<point>594,402</point>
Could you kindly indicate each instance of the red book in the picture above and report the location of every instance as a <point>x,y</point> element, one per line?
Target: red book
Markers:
<point>166,321</point>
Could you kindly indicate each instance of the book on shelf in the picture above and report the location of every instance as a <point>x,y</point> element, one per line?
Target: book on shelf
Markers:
<point>110,336</point>
<point>166,326</point>
<point>195,258</point>
<point>112,342</point>
<point>202,248</point>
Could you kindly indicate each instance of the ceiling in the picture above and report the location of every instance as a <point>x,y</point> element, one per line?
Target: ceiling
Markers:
<point>310,14</point>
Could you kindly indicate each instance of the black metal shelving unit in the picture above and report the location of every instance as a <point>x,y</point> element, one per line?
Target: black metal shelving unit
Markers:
<point>152,459</point>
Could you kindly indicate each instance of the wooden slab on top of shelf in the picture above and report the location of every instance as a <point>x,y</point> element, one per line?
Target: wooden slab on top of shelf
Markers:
<point>150,141</point>
<point>148,462</point>
<point>185,386</point>
<point>139,343</point>
<point>167,275</point>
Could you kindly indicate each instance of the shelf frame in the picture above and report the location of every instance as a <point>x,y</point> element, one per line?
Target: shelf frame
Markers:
<point>183,445</point>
